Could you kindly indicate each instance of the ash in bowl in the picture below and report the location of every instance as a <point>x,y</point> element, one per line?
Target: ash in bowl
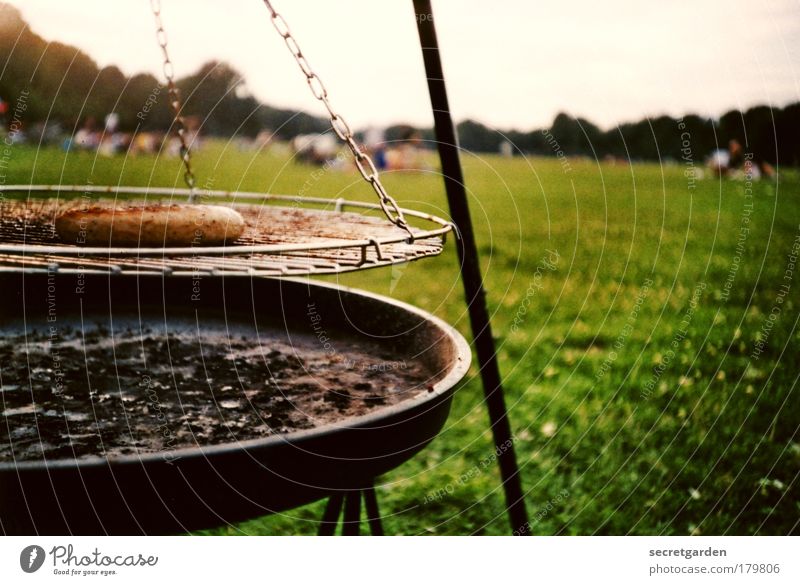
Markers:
<point>95,392</point>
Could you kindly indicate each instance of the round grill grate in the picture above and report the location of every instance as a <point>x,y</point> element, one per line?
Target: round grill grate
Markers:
<point>291,239</point>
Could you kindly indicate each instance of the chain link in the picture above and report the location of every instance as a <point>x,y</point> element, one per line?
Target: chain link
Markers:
<point>366,167</point>
<point>175,101</point>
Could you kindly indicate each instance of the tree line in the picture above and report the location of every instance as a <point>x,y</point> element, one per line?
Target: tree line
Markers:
<point>770,134</point>
<point>66,86</point>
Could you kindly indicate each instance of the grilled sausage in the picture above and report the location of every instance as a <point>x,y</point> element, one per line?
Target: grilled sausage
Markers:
<point>150,226</point>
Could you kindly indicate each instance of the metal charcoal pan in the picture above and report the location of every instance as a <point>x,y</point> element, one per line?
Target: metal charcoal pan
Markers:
<point>207,486</point>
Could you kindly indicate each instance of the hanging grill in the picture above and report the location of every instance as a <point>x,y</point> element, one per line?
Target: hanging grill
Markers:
<point>206,485</point>
<point>278,240</point>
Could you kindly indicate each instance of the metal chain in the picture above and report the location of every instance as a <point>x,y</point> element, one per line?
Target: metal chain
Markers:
<point>339,125</point>
<point>175,101</point>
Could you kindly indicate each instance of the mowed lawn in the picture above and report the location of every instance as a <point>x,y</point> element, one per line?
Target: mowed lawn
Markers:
<point>650,391</point>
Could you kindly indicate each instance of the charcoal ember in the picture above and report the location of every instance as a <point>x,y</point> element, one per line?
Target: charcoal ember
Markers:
<point>339,398</point>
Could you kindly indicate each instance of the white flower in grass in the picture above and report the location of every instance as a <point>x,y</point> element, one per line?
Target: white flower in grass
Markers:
<point>549,429</point>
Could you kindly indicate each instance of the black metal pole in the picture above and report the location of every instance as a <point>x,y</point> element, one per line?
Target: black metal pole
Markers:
<point>470,269</point>
<point>351,525</point>
<point>373,515</point>
<point>327,527</point>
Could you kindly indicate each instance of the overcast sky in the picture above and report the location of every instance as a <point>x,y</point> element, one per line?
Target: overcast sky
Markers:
<point>508,63</point>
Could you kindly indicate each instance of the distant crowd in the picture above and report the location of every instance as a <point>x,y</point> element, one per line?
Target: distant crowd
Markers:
<point>106,139</point>
<point>735,163</point>
<point>404,153</point>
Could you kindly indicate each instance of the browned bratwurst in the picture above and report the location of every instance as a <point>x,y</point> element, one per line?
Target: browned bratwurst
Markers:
<point>150,226</point>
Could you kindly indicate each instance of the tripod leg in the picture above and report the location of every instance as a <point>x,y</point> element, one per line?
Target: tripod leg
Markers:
<point>373,515</point>
<point>352,513</point>
<point>447,143</point>
<point>327,527</point>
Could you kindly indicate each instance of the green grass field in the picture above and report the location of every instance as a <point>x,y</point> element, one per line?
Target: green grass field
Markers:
<point>627,307</point>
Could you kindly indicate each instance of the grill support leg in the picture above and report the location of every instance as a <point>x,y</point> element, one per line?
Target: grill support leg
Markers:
<point>373,516</point>
<point>447,144</point>
<point>351,502</point>
<point>330,518</point>
<point>352,514</point>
